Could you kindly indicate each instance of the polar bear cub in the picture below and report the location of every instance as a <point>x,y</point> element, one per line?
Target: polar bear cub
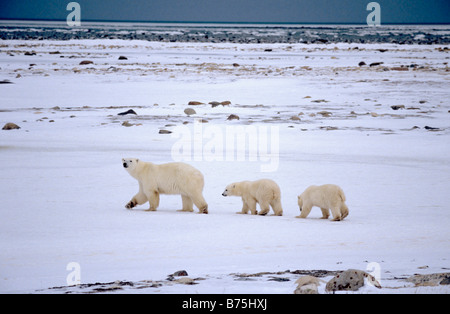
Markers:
<point>171,178</point>
<point>328,196</point>
<point>265,192</point>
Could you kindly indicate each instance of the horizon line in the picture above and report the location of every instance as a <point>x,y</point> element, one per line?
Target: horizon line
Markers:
<point>221,22</point>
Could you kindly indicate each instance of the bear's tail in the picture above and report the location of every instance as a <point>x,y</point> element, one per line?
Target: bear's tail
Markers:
<point>341,195</point>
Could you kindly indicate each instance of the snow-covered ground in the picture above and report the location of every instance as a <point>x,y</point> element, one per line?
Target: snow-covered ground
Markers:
<point>63,188</point>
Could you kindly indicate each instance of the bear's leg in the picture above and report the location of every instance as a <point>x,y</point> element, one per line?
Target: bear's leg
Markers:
<point>138,199</point>
<point>265,207</point>
<point>244,208</point>
<point>336,211</point>
<point>276,206</point>
<point>187,204</point>
<point>201,204</point>
<point>306,209</point>
<point>344,210</point>
<point>325,213</point>
<point>251,203</point>
<point>153,198</point>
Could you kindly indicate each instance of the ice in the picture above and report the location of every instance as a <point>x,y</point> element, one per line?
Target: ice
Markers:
<point>64,190</point>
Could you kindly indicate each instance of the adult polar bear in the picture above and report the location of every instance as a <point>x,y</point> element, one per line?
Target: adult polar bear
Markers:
<point>170,178</point>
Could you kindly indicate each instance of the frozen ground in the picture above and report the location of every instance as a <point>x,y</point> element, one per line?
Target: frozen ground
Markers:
<point>63,189</point>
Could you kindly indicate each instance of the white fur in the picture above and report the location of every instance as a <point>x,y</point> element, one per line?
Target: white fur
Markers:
<point>327,197</point>
<point>265,192</point>
<point>171,178</point>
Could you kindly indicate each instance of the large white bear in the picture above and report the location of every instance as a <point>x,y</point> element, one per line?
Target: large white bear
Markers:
<point>265,192</point>
<point>327,196</point>
<point>170,178</point>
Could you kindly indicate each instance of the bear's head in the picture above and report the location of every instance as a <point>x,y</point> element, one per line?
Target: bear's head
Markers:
<point>230,190</point>
<point>130,163</point>
<point>300,202</point>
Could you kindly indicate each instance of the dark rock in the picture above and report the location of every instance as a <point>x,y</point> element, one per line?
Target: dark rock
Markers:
<point>165,132</point>
<point>180,273</point>
<point>362,63</point>
<point>131,111</point>
<point>195,103</point>
<point>374,64</point>
<point>6,82</point>
<point>232,117</point>
<point>397,107</point>
<point>86,62</point>
<point>10,126</point>
<point>123,58</point>
<point>429,128</point>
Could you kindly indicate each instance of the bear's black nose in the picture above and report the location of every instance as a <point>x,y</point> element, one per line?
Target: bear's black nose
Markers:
<point>223,194</point>
<point>125,165</point>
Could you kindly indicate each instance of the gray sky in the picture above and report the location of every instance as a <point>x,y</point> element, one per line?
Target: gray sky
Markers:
<point>269,11</point>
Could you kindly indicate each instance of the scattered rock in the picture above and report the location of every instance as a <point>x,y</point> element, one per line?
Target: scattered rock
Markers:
<point>123,58</point>
<point>131,111</point>
<point>165,132</point>
<point>225,103</point>
<point>399,69</point>
<point>127,124</point>
<point>295,118</point>
<point>232,117</point>
<point>382,50</point>
<point>10,126</point>
<point>351,280</point>
<point>214,104</point>
<point>235,64</point>
<point>362,63</point>
<point>195,103</point>
<point>422,101</point>
<point>319,101</point>
<point>374,114</point>
<point>397,107</point>
<point>6,82</point>
<point>430,279</point>
<point>180,273</point>
<point>189,111</point>
<point>307,285</point>
<point>54,53</point>
<point>325,113</point>
<point>85,62</point>
<point>30,53</point>
<point>374,64</point>
<point>429,128</point>
<point>268,50</point>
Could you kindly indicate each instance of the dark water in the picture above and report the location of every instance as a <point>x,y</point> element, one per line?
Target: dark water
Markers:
<point>231,33</point>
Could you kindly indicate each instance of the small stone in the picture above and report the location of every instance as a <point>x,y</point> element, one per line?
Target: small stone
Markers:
<point>10,126</point>
<point>180,273</point>
<point>233,117</point>
<point>127,124</point>
<point>195,103</point>
<point>189,111</point>
<point>295,118</point>
<point>374,64</point>
<point>374,114</point>
<point>131,111</point>
<point>362,63</point>
<point>123,58</point>
<point>397,107</point>
<point>225,103</point>
<point>86,62</point>
<point>165,132</point>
